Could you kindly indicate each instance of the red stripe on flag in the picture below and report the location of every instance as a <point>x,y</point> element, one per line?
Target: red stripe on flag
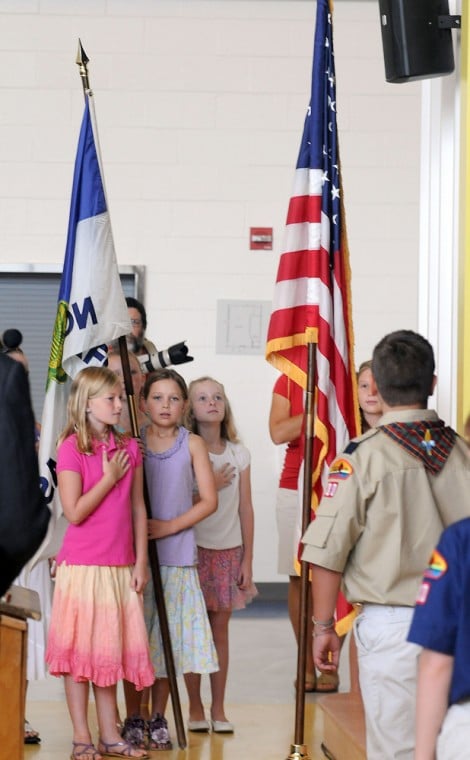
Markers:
<point>299,264</point>
<point>304,208</point>
<point>291,322</point>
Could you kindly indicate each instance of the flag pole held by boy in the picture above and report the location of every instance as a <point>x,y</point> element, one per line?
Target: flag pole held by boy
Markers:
<point>312,301</point>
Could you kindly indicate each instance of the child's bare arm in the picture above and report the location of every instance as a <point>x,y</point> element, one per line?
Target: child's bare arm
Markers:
<point>207,500</point>
<point>139,520</point>
<point>434,676</point>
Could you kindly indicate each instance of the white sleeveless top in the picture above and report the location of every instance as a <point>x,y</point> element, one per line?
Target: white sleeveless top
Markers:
<point>222,529</point>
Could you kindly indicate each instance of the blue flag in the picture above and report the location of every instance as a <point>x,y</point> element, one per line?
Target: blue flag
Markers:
<point>91,310</point>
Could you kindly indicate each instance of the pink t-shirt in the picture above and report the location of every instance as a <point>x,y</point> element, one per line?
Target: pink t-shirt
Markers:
<point>106,536</point>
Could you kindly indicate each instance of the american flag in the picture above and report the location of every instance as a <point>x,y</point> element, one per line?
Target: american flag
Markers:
<point>312,300</point>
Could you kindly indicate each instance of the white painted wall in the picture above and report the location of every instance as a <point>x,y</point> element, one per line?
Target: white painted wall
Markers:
<point>200,109</point>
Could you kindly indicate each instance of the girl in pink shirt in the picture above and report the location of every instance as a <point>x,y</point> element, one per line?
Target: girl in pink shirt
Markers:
<point>97,630</point>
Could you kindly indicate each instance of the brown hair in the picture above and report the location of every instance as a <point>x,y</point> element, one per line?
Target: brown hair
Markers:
<point>403,368</point>
<point>165,374</point>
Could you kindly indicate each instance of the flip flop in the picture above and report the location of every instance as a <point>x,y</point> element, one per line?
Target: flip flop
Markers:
<point>120,749</point>
<point>82,749</point>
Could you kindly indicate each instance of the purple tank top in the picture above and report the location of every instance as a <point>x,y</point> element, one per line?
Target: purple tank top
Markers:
<point>169,477</point>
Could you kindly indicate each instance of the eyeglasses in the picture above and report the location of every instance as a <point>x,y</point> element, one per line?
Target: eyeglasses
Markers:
<point>137,322</point>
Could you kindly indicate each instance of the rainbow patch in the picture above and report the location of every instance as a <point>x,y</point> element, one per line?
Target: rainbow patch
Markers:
<point>340,470</point>
<point>437,566</point>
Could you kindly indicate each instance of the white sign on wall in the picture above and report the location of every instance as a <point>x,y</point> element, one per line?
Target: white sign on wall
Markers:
<point>242,326</point>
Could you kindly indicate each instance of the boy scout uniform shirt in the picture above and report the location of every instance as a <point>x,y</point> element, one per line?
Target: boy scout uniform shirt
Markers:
<point>442,612</point>
<point>382,513</point>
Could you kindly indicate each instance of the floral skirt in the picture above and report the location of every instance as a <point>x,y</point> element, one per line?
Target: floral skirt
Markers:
<point>97,631</point>
<point>190,630</point>
<point>218,575</point>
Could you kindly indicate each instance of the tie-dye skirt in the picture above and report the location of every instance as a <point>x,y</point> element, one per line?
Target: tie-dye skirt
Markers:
<point>97,631</point>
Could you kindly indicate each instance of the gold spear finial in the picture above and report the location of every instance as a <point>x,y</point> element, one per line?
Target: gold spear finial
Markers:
<point>82,60</point>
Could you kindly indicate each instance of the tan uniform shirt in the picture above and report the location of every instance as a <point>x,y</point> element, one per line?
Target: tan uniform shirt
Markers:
<point>380,518</point>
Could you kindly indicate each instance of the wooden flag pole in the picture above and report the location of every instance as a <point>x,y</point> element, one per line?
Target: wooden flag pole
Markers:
<point>154,562</point>
<point>82,61</point>
<point>298,749</point>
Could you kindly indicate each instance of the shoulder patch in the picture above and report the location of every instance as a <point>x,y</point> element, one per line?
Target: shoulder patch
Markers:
<point>437,566</point>
<point>330,488</point>
<point>423,593</point>
<point>340,470</point>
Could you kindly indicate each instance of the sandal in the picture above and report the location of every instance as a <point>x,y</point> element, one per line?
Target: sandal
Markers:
<point>159,737</point>
<point>327,683</point>
<point>135,731</point>
<point>31,736</point>
<point>88,751</point>
<point>310,683</point>
<point>122,749</point>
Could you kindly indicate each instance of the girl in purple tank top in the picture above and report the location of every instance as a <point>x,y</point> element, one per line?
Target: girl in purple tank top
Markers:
<point>174,457</point>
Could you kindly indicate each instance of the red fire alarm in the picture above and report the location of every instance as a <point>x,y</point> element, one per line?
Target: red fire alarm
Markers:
<point>261,238</point>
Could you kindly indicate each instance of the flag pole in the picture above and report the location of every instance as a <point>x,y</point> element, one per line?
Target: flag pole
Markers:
<point>82,60</point>
<point>299,750</point>
<point>154,562</point>
<point>313,289</point>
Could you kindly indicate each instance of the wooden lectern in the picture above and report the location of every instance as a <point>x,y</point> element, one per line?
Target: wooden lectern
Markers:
<point>15,607</point>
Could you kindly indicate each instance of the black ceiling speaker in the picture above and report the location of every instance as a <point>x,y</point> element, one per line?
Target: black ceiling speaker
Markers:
<point>416,38</point>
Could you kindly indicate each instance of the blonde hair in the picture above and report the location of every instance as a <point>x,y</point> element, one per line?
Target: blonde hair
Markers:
<point>90,383</point>
<point>228,430</point>
<point>363,367</point>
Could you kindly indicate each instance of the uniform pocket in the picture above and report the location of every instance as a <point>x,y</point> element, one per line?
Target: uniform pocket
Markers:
<point>320,528</point>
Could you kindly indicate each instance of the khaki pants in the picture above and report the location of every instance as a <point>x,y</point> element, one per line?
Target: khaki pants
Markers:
<point>453,743</point>
<point>387,674</point>
<point>288,510</point>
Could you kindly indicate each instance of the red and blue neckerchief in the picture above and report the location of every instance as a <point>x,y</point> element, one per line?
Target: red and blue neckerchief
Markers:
<point>431,441</point>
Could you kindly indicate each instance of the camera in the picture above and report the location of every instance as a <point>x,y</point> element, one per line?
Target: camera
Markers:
<point>177,354</point>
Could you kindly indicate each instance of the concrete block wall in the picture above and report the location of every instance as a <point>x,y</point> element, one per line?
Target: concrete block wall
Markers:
<point>200,107</point>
